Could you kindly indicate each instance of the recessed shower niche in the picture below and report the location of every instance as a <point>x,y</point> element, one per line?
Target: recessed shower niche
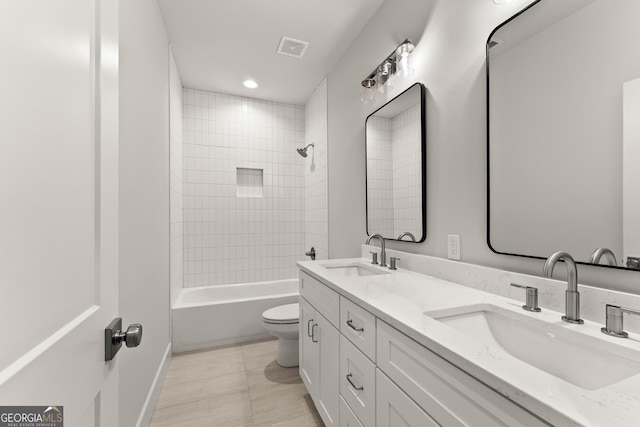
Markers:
<point>249,182</point>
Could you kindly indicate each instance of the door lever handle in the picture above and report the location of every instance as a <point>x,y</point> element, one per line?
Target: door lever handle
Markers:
<point>132,337</point>
<point>114,337</point>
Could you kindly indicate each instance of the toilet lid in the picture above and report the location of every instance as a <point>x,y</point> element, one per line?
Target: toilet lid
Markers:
<point>283,313</point>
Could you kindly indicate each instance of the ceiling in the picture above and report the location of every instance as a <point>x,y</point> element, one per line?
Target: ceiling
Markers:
<point>218,44</point>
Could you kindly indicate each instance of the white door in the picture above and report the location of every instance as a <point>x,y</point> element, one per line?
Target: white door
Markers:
<point>59,205</point>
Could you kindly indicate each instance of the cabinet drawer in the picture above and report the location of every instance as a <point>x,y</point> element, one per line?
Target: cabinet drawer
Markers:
<point>396,409</point>
<point>347,417</point>
<point>359,326</point>
<point>358,382</point>
<point>449,395</point>
<point>321,297</point>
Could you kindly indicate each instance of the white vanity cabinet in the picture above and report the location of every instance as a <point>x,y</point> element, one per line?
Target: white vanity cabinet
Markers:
<point>362,372</point>
<point>447,394</point>
<point>319,345</point>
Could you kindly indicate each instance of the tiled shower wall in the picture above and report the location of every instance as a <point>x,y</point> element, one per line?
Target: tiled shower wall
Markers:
<point>175,177</point>
<point>379,177</point>
<point>407,172</point>
<point>316,197</point>
<point>252,233</point>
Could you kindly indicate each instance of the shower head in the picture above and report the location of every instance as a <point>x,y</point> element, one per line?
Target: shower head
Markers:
<point>303,151</point>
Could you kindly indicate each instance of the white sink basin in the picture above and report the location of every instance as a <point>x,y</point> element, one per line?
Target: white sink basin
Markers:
<point>355,269</point>
<point>579,359</point>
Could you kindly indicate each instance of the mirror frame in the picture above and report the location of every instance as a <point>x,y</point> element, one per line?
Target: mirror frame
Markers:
<point>488,164</point>
<point>423,162</point>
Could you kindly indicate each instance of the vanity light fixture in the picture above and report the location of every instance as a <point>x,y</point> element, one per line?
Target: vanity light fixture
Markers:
<point>366,96</point>
<point>250,84</point>
<point>384,74</point>
<point>402,58</point>
<point>396,63</point>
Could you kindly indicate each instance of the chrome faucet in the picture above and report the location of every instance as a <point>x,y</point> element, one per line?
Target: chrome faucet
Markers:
<point>383,253</point>
<point>572,296</point>
<point>598,253</point>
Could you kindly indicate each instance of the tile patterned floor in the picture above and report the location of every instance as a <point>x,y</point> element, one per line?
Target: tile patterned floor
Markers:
<point>234,386</point>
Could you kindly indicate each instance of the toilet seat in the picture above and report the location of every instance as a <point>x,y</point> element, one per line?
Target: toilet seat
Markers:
<point>282,315</point>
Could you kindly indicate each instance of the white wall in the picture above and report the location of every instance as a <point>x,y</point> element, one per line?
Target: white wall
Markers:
<point>228,237</point>
<point>392,23</point>
<point>175,171</point>
<point>449,58</point>
<point>144,201</point>
<point>316,231</point>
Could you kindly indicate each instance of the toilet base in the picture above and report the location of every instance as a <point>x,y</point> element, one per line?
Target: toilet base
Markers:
<point>288,356</point>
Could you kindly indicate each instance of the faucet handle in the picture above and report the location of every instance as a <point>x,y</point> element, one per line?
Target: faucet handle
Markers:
<point>392,263</point>
<point>374,257</point>
<point>614,325</point>
<point>311,253</point>
<point>532,297</point>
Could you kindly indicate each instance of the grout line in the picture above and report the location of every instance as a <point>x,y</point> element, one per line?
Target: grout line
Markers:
<point>244,362</point>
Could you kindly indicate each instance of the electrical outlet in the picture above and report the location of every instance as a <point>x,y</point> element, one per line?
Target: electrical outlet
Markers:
<point>453,246</point>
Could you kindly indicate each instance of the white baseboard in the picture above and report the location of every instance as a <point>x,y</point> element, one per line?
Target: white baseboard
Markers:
<point>154,392</point>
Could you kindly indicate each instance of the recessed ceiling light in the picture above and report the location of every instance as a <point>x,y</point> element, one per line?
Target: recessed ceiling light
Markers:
<point>502,1</point>
<point>250,84</point>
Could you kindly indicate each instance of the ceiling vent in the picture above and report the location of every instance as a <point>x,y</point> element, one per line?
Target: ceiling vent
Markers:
<point>292,47</point>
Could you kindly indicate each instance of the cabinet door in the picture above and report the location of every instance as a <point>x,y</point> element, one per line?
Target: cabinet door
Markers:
<point>347,417</point>
<point>309,350</point>
<point>328,403</point>
<point>396,409</point>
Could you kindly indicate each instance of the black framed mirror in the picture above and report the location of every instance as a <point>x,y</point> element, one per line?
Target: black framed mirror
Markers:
<point>563,138</point>
<point>395,154</point>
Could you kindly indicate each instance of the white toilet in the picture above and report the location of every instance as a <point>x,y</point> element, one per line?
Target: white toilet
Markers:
<point>282,322</point>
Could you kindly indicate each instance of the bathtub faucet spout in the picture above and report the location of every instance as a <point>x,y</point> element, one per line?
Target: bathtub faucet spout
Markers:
<point>311,253</point>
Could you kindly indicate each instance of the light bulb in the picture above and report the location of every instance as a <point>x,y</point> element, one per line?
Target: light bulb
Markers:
<point>366,92</point>
<point>402,58</point>
<point>250,84</point>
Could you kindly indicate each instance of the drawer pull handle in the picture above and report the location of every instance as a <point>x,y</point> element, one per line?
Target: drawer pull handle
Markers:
<point>350,324</point>
<point>308,326</point>
<point>313,334</point>
<point>352,384</point>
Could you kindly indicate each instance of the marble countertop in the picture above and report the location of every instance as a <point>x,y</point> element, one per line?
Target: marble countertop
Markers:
<point>401,298</point>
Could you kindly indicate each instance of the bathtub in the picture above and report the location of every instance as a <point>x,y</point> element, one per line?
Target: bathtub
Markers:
<point>210,316</point>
